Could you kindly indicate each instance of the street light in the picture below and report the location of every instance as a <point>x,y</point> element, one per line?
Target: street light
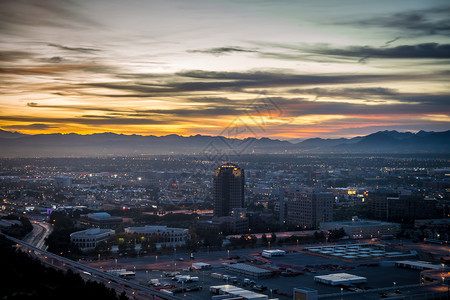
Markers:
<point>297,243</point>
<point>156,259</point>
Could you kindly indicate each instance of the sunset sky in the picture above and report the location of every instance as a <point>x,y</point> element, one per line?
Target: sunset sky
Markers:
<point>284,69</point>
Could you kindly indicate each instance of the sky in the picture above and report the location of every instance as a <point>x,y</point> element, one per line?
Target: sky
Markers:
<point>260,68</point>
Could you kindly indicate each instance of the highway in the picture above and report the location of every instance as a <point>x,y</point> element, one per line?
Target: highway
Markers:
<point>132,289</point>
<point>40,232</point>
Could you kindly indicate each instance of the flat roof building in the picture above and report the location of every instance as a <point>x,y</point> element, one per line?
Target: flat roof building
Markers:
<point>248,270</point>
<point>90,238</point>
<point>363,228</point>
<point>100,219</point>
<point>417,265</point>
<point>339,278</point>
<point>308,209</point>
<point>162,235</point>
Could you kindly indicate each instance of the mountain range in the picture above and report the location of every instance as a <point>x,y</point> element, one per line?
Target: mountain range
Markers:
<point>14,144</point>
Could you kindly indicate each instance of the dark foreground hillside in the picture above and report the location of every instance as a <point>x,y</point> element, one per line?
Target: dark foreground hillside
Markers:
<point>26,278</point>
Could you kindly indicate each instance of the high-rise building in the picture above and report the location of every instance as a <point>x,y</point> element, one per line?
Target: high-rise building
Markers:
<point>228,188</point>
<point>389,205</point>
<point>308,209</point>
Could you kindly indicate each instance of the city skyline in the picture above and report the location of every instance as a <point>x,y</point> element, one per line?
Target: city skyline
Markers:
<point>168,67</point>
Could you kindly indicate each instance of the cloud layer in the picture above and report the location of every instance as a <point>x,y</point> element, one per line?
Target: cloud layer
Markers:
<point>290,71</point>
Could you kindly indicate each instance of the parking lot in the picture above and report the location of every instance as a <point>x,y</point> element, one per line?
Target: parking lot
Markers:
<point>379,274</point>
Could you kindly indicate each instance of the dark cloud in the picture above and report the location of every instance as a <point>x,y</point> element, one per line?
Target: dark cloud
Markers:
<point>92,120</point>
<point>35,126</point>
<point>326,53</point>
<point>212,112</point>
<point>196,81</point>
<point>76,49</point>
<point>424,22</point>
<point>53,69</point>
<point>18,15</point>
<point>55,59</point>
<point>347,92</point>
<point>374,94</point>
<point>15,55</point>
<point>223,50</point>
<point>391,41</point>
<point>426,50</point>
<point>204,111</point>
<point>71,107</point>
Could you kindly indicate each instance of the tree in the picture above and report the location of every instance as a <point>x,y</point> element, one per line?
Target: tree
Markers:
<point>273,239</point>
<point>264,239</point>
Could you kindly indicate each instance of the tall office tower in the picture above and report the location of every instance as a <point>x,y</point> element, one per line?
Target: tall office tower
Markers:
<point>308,209</point>
<point>228,190</point>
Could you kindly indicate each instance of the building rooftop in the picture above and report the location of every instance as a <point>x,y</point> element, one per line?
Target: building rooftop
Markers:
<point>360,223</point>
<point>91,232</point>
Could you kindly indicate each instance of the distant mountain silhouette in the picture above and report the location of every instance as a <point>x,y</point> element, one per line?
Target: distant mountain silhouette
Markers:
<point>13,144</point>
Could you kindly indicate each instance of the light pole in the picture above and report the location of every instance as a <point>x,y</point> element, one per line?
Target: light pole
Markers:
<point>228,253</point>
<point>99,257</point>
<point>146,272</point>
<point>297,243</point>
<point>269,244</point>
<point>156,259</point>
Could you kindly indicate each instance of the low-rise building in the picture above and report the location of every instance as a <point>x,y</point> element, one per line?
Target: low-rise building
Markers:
<point>162,235</point>
<point>100,219</point>
<point>363,228</point>
<point>225,225</point>
<point>90,238</point>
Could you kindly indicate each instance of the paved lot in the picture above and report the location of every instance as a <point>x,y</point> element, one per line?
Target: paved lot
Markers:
<point>382,276</point>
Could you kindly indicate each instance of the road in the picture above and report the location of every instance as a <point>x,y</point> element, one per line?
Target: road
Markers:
<point>40,232</point>
<point>134,290</point>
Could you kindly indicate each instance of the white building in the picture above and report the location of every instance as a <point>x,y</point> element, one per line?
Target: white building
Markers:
<point>340,278</point>
<point>90,238</point>
<point>270,253</point>
<point>162,235</point>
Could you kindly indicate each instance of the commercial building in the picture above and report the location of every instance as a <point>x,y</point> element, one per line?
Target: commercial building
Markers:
<point>390,205</point>
<point>305,294</point>
<point>340,278</point>
<point>417,265</point>
<point>248,270</point>
<point>90,238</point>
<point>100,219</point>
<point>433,224</point>
<point>308,209</point>
<point>201,266</point>
<point>358,229</point>
<point>234,292</point>
<point>224,225</point>
<point>270,253</point>
<point>162,235</point>
<point>228,189</point>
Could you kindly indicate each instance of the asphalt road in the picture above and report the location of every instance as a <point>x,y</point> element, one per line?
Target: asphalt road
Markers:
<point>37,237</point>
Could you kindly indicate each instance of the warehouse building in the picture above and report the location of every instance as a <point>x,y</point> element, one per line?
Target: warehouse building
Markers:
<point>340,278</point>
